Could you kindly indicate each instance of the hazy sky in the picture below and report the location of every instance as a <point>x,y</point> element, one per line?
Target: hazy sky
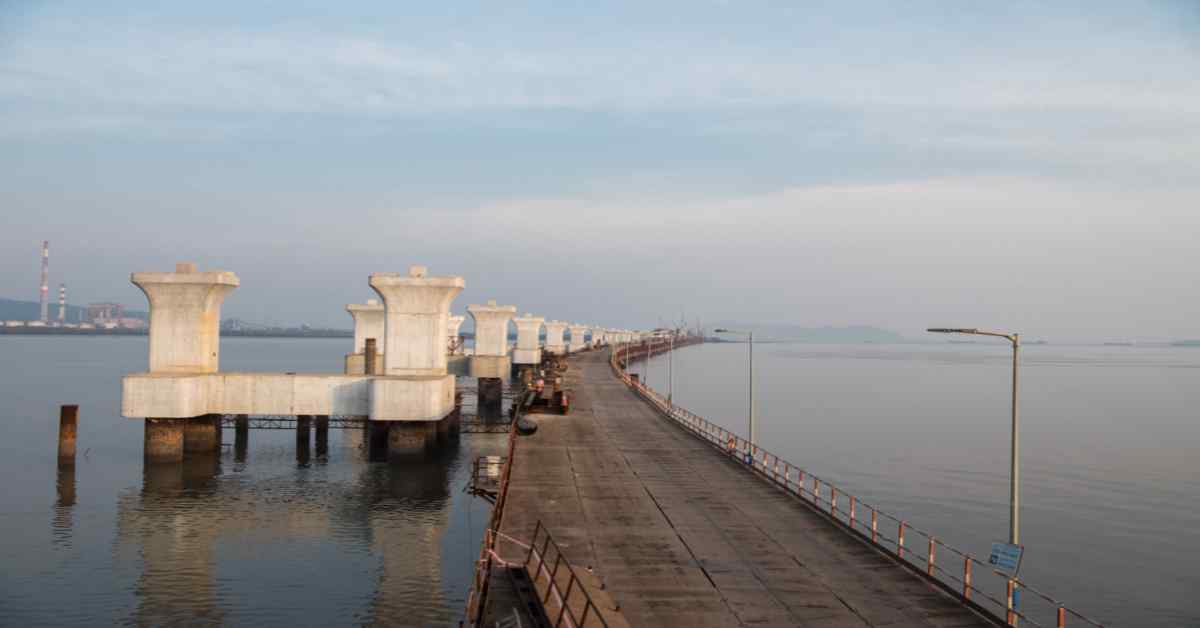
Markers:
<point>1032,166</point>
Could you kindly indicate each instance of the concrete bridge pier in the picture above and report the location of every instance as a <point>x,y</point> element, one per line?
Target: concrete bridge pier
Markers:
<point>184,335</point>
<point>322,424</point>
<point>417,315</point>
<point>377,440</point>
<point>303,438</point>
<point>202,434</point>
<point>554,337</point>
<point>410,439</point>
<point>491,363</point>
<point>453,326</point>
<point>241,437</point>
<point>368,324</point>
<point>491,399</point>
<point>578,343</point>
<point>164,440</point>
<point>528,353</point>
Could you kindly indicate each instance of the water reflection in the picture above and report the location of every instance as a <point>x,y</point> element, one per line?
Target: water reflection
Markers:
<point>187,515</point>
<point>64,505</point>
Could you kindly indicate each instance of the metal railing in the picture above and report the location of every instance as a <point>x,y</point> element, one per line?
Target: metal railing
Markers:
<point>951,569</point>
<point>477,596</point>
<point>569,604</point>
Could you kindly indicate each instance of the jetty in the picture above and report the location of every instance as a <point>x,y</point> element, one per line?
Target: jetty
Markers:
<point>631,511</point>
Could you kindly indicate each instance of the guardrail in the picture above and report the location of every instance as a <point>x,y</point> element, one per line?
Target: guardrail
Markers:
<point>477,596</point>
<point>951,569</point>
<point>560,597</point>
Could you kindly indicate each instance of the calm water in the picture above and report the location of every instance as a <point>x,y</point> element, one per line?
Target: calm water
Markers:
<point>1110,452</point>
<point>267,541</point>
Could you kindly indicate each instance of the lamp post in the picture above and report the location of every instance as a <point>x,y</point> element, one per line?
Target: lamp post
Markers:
<point>1015,467</point>
<point>671,369</point>
<point>750,335</point>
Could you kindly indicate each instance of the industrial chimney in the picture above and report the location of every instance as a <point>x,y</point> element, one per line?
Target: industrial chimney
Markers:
<point>45,294</point>
<point>62,303</point>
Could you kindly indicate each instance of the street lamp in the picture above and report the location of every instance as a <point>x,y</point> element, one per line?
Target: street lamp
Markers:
<point>750,334</point>
<point>1015,469</point>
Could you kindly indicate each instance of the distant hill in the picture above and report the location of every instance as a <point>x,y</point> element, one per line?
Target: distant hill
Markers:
<point>826,335</point>
<point>13,310</point>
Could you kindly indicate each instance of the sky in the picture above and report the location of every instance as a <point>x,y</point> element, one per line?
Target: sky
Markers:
<point>1025,166</point>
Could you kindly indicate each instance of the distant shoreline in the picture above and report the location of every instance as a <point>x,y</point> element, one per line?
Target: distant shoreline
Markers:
<point>68,331</point>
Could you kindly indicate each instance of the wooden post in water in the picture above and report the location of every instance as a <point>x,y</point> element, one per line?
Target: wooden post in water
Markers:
<point>68,417</point>
<point>370,356</point>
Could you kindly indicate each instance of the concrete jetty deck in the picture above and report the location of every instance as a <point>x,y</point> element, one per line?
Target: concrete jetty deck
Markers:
<point>680,535</point>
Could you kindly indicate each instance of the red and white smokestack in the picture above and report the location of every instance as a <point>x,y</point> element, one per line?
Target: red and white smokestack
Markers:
<point>62,302</point>
<point>45,292</point>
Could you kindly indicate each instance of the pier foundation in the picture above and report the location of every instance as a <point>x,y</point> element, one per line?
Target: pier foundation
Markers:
<point>377,440</point>
<point>491,398</point>
<point>164,440</point>
<point>322,436</point>
<point>202,434</point>
<point>408,439</point>
<point>241,437</point>
<point>303,438</point>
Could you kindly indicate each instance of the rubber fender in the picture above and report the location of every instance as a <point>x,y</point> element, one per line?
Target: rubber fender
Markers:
<point>526,426</point>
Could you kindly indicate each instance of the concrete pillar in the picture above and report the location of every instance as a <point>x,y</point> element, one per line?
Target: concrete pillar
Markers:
<point>490,359</point>
<point>452,334</point>
<point>578,343</point>
<point>410,438</point>
<point>164,440</point>
<point>241,437</point>
<point>68,417</point>
<point>554,337</point>
<point>368,323</point>
<point>370,357</point>
<point>322,435</point>
<point>303,437</point>
<point>491,327</point>
<point>202,434</point>
<point>416,315</point>
<point>528,349</point>
<point>491,399</point>
<point>377,440</point>
<point>185,315</point>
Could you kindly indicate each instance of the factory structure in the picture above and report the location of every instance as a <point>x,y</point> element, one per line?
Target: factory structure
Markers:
<point>109,316</point>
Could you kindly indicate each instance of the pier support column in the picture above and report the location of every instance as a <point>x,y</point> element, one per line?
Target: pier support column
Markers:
<point>241,437</point>
<point>202,434</point>
<point>408,439</point>
<point>303,437</point>
<point>322,436</point>
<point>453,343</point>
<point>554,337</point>
<point>377,440</point>
<point>491,398</point>
<point>578,343</point>
<point>528,351</point>
<point>164,440</point>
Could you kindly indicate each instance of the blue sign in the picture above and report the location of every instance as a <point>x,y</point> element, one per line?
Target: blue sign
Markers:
<point>1006,557</point>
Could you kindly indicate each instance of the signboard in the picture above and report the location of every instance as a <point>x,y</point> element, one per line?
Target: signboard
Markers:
<point>1006,557</point>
